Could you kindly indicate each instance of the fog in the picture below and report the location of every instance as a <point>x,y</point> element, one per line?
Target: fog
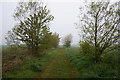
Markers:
<point>65,15</point>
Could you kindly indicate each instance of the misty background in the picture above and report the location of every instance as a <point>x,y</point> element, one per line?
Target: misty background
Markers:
<point>65,15</point>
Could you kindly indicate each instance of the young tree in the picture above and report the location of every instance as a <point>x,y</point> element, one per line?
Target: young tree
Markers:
<point>85,47</point>
<point>67,40</point>
<point>50,41</point>
<point>33,21</point>
<point>46,41</point>
<point>55,40</point>
<point>98,25</point>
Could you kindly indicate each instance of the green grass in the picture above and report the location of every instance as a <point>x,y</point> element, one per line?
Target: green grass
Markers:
<point>84,65</point>
<point>62,69</point>
<point>25,71</point>
<point>87,68</point>
<point>57,68</point>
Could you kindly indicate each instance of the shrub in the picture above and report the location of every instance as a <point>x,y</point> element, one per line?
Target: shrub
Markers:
<point>87,67</point>
<point>85,47</point>
<point>36,67</point>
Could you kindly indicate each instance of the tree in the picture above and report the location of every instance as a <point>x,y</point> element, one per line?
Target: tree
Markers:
<point>50,41</point>
<point>98,25</point>
<point>11,39</point>
<point>33,20</point>
<point>55,40</point>
<point>67,40</point>
<point>85,47</point>
<point>46,41</point>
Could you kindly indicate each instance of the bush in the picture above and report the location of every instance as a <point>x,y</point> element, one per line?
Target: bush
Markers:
<point>36,67</point>
<point>85,47</point>
<point>87,67</point>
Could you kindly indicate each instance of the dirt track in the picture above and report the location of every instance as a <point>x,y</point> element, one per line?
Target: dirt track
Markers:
<point>58,67</point>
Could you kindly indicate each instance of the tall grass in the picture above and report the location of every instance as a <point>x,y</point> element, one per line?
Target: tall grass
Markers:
<point>30,68</point>
<point>87,68</point>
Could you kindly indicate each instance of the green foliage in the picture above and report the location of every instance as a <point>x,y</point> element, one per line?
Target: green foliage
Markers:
<point>98,25</point>
<point>67,43</point>
<point>67,40</point>
<point>111,54</point>
<point>50,41</point>
<point>29,68</point>
<point>32,27</point>
<point>55,40</point>
<point>36,67</point>
<point>88,68</point>
<point>85,47</point>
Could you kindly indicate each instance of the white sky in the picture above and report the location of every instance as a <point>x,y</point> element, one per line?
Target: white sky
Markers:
<point>65,14</point>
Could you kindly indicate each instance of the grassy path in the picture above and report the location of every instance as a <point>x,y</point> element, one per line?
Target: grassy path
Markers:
<point>58,67</point>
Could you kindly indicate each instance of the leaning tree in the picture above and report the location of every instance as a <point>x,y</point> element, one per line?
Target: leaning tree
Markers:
<point>98,25</point>
<point>32,24</point>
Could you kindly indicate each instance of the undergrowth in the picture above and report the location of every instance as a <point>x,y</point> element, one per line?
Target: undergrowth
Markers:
<point>30,68</point>
<point>88,68</point>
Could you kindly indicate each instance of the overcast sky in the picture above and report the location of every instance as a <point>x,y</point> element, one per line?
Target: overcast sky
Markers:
<point>65,15</point>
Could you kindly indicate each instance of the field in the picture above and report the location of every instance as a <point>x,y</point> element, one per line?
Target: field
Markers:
<point>59,63</point>
<point>82,41</point>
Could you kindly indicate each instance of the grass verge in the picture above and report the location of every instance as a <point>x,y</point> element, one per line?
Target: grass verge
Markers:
<point>87,68</point>
<point>27,68</point>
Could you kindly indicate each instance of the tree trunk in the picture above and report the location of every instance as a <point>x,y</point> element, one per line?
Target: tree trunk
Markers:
<point>36,50</point>
<point>96,46</point>
<point>98,58</point>
<point>29,49</point>
<point>98,55</point>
